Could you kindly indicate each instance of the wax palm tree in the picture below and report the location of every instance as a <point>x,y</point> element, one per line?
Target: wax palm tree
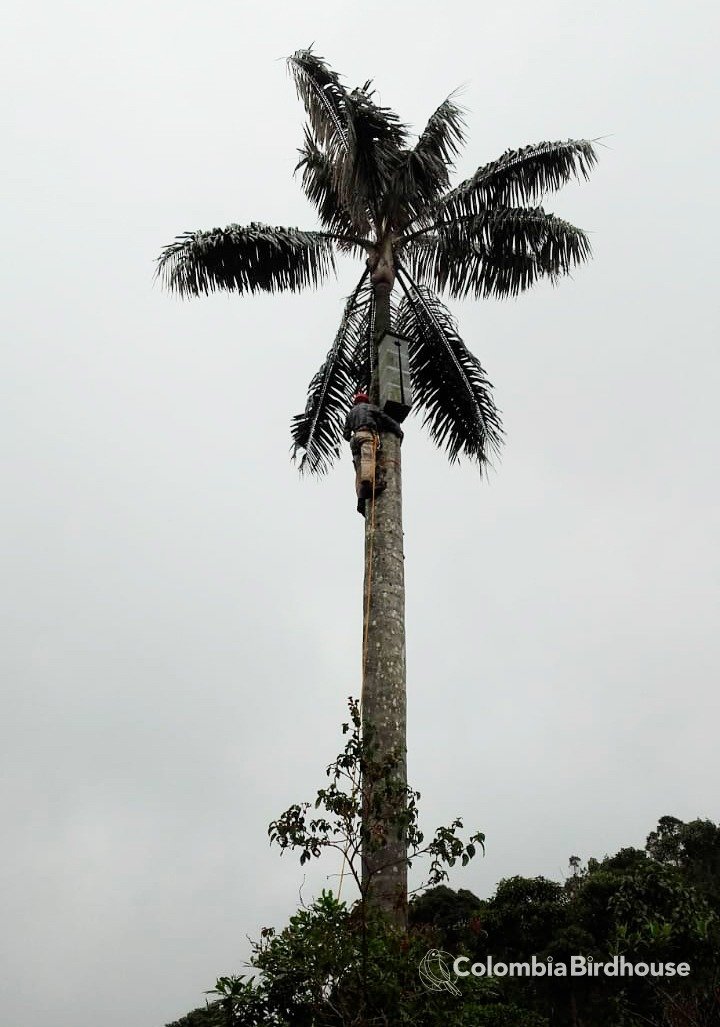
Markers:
<point>387,200</point>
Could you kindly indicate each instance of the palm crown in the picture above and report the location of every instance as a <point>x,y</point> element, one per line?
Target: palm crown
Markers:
<point>390,202</point>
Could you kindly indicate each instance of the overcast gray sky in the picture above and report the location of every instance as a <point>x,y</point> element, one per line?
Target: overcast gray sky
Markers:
<point>182,615</point>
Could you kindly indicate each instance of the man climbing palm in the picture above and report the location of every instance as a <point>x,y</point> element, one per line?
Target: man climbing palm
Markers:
<point>363,425</point>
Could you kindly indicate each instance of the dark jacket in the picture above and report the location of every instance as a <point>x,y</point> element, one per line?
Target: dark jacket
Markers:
<point>367,415</point>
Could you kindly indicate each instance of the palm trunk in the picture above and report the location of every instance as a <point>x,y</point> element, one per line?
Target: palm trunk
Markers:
<point>383,696</point>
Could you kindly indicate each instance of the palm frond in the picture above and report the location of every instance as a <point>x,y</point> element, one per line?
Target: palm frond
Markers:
<point>449,383</point>
<point>359,368</point>
<point>247,258</point>
<point>317,432</point>
<point>360,139</point>
<point>496,253</point>
<point>319,185</point>
<point>423,172</point>
<point>323,96</point>
<point>520,177</point>
<point>444,133</point>
<point>375,140</point>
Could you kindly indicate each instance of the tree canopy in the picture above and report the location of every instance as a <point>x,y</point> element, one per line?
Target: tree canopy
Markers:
<point>385,196</point>
<point>322,969</point>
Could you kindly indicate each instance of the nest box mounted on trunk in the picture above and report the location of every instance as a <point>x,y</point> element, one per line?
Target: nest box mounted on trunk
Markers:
<point>394,376</point>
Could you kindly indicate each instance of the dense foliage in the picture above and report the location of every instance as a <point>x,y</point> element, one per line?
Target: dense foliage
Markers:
<point>338,964</point>
<point>659,904</point>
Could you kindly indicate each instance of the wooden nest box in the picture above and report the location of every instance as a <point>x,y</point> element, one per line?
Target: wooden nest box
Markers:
<point>394,376</point>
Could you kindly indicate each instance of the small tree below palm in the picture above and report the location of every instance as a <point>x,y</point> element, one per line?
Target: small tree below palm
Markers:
<point>338,819</point>
<point>341,964</point>
<point>386,199</point>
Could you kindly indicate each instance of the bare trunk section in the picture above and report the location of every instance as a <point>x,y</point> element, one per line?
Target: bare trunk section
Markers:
<point>383,695</point>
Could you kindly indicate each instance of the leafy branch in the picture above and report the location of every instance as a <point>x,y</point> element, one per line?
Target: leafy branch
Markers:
<point>347,815</point>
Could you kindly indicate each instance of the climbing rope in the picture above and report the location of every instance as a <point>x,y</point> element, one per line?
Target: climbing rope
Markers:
<point>366,623</point>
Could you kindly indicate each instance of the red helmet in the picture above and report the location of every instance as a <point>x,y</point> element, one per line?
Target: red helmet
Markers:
<point>361,397</point>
